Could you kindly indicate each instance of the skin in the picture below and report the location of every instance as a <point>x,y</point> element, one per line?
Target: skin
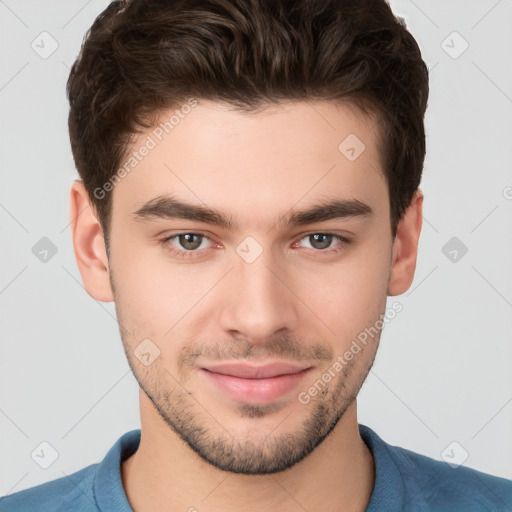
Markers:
<point>199,447</point>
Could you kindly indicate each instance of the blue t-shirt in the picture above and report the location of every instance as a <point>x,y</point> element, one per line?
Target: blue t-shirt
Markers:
<point>404,481</point>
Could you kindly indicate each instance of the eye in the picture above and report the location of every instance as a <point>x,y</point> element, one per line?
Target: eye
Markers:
<point>187,244</point>
<point>321,242</point>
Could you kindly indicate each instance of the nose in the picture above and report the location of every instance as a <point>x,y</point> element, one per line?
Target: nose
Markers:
<point>259,302</point>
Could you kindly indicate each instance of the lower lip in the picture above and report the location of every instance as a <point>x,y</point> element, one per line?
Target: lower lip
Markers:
<point>256,391</point>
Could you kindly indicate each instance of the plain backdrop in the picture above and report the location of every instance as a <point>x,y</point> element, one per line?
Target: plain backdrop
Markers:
<point>442,381</point>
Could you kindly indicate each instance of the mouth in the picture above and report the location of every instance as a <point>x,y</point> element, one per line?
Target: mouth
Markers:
<point>255,384</point>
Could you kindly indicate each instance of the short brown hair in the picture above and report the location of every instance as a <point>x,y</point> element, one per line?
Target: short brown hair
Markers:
<point>141,57</point>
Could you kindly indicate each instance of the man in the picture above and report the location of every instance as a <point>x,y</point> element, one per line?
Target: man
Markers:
<point>249,197</point>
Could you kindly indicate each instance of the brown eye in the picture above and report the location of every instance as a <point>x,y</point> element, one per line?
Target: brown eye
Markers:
<point>186,240</point>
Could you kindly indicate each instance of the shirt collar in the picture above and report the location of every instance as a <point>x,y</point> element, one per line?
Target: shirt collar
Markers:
<point>108,486</point>
<point>388,490</point>
<point>389,487</point>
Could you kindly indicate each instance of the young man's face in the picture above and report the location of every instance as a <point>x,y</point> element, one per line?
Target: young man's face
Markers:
<point>260,291</point>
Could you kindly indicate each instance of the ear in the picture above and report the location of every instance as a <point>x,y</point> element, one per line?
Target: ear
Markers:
<point>89,245</point>
<point>405,247</point>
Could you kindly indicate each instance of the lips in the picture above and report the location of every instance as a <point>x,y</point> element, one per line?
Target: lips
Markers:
<point>255,384</point>
<point>246,371</point>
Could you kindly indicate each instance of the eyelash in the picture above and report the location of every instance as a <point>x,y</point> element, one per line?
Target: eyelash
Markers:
<point>192,254</point>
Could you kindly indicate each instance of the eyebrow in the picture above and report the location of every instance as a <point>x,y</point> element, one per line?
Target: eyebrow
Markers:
<point>169,207</point>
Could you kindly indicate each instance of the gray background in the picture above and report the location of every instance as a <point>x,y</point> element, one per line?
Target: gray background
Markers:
<point>443,373</point>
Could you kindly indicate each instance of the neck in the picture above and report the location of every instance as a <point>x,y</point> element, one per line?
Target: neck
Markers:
<point>165,474</point>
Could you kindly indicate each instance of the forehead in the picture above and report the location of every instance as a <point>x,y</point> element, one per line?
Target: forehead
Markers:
<point>256,165</point>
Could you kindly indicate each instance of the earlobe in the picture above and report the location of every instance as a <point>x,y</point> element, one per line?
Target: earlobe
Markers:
<point>89,245</point>
<point>405,247</point>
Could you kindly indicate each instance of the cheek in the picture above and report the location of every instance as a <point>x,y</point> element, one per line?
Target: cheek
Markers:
<point>157,298</point>
<point>144,290</point>
<point>352,293</point>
